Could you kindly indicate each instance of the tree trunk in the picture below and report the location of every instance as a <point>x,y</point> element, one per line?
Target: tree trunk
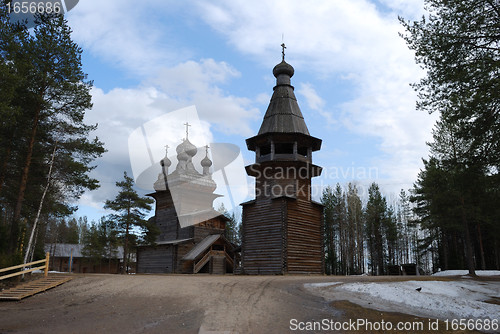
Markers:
<point>14,233</point>
<point>125,250</point>
<point>481,250</point>
<point>445,250</point>
<point>30,243</point>
<point>468,242</point>
<point>125,244</point>
<point>497,256</point>
<point>3,170</point>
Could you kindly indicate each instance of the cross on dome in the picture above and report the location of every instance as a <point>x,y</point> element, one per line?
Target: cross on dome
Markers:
<point>187,129</point>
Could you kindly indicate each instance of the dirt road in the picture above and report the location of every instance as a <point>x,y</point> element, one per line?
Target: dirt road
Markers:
<point>179,304</point>
<point>166,304</point>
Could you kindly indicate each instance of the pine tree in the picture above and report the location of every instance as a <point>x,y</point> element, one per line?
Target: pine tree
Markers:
<point>232,231</point>
<point>375,216</point>
<point>101,241</point>
<point>329,234</point>
<point>44,97</point>
<point>457,43</point>
<point>356,230</point>
<point>130,212</point>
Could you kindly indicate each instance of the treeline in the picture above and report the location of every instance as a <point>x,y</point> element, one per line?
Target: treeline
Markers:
<point>46,151</point>
<point>458,190</point>
<point>455,199</point>
<point>424,229</point>
<point>232,231</point>
<point>100,240</point>
<point>372,237</point>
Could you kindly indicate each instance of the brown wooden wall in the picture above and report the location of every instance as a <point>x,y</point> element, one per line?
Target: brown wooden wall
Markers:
<point>83,265</point>
<point>262,245</point>
<point>166,217</point>
<point>157,259</point>
<point>304,238</point>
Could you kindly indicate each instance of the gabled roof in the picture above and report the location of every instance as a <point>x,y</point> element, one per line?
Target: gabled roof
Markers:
<point>173,242</point>
<point>201,247</point>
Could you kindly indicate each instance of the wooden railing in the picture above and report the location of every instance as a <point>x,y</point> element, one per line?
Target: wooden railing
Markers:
<point>229,259</point>
<point>201,263</point>
<point>45,268</point>
<point>198,265</point>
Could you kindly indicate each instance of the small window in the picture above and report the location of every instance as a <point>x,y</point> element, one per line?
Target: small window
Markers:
<point>265,150</point>
<point>283,148</point>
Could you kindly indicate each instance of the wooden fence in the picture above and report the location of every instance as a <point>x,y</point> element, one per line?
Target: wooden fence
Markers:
<point>45,268</point>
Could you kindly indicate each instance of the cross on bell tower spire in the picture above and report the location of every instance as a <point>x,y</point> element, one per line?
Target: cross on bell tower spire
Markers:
<point>283,47</point>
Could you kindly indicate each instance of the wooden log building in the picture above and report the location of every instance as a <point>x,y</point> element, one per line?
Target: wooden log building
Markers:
<point>282,227</point>
<point>191,238</point>
<point>72,258</point>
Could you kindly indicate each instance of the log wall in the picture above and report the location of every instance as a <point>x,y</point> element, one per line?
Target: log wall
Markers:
<point>304,238</point>
<point>262,244</point>
<point>157,259</point>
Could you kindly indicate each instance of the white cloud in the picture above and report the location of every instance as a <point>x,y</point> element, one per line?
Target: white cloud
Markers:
<point>137,40</point>
<point>125,35</point>
<point>351,40</point>
<point>195,83</point>
<point>120,111</point>
<point>410,10</point>
<point>315,102</point>
<point>117,113</point>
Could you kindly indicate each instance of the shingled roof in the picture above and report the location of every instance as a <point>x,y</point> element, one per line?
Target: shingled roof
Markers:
<point>283,114</point>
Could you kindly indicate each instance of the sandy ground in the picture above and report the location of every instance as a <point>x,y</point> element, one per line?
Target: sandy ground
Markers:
<point>183,304</point>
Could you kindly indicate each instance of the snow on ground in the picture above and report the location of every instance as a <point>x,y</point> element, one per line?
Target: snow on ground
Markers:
<point>320,285</point>
<point>465,272</point>
<point>436,299</point>
<point>50,272</point>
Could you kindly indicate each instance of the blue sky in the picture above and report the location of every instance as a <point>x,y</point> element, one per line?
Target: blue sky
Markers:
<point>352,76</point>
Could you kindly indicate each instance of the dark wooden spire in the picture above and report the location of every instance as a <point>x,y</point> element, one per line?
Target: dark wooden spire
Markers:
<point>283,113</point>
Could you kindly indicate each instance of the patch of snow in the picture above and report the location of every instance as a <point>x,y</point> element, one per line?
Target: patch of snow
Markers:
<point>465,272</point>
<point>50,272</point>
<point>436,299</point>
<point>320,285</point>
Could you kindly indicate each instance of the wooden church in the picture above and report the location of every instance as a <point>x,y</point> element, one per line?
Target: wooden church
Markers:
<point>282,227</point>
<point>191,238</point>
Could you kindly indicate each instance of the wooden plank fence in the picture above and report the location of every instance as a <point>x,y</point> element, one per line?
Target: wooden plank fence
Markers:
<point>32,287</point>
<point>45,268</point>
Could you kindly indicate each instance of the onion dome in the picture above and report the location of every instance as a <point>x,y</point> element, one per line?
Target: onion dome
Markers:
<point>187,148</point>
<point>182,156</point>
<point>182,150</point>
<point>206,162</point>
<point>165,162</point>
<point>283,68</point>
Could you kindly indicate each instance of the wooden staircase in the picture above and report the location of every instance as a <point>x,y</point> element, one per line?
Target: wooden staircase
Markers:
<point>33,287</point>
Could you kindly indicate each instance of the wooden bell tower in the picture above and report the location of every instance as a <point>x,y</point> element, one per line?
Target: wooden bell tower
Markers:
<point>282,226</point>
